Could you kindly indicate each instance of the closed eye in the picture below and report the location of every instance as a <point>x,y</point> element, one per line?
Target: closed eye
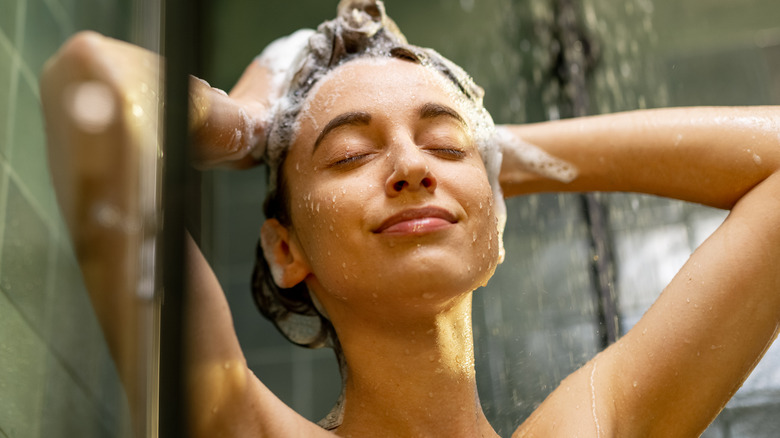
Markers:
<point>448,153</point>
<point>350,159</point>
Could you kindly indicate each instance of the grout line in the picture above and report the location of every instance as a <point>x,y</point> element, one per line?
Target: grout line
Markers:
<point>30,77</point>
<point>4,181</point>
<point>12,176</point>
<point>67,368</point>
<point>60,15</point>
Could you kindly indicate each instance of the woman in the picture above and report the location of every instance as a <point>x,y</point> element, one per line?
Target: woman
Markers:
<point>382,207</point>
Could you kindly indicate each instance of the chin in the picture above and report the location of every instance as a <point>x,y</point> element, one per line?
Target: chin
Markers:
<point>450,275</point>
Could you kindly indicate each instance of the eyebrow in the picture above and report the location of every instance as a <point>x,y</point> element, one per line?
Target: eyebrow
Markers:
<point>361,118</point>
<point>357,118</point>
<point>433,110</point>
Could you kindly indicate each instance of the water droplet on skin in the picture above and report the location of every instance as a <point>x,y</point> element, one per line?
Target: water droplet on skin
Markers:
<point>331,228</point>
<point>428,295</point>
<point>214,410</point>
<point>343,264</point>
<point>406,351</point>
<point>430,394</point>
<point>226,365</point>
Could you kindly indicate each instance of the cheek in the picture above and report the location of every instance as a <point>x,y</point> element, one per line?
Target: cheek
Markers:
<point>477,198</point>
<point>328,218</point>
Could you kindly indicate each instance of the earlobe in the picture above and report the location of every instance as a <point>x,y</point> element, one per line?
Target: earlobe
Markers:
<point>285,260</point>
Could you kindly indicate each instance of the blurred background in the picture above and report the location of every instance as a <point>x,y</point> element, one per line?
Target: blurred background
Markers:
<point>578,272</point>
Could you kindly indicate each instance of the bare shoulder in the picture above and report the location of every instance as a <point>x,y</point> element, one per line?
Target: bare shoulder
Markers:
<point>578,407</point>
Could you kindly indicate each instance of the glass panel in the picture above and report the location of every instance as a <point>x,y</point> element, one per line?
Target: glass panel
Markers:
<point>57,375</point>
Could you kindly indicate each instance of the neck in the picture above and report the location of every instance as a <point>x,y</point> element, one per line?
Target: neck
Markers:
<point>413,376</point>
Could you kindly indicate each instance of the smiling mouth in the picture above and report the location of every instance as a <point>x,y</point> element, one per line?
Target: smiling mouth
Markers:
<point>417,221</point>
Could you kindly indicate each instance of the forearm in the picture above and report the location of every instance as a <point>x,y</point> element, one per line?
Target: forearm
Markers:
<point>711,156</point>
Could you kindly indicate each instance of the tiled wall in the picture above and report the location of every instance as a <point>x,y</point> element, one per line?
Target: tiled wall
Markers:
<point>56,376</point>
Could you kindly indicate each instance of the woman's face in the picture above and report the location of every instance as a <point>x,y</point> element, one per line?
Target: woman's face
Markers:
<point>389,197</point>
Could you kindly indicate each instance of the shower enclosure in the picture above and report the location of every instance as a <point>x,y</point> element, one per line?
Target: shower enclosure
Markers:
<point>579,272</point>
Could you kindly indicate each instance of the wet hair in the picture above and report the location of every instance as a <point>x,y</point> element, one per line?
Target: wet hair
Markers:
<point>362,29</point>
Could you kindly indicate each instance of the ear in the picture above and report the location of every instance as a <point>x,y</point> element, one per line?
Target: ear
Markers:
<point>288,267</point>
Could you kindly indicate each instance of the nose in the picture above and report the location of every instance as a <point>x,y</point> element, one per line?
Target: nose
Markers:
<point>410,171</point>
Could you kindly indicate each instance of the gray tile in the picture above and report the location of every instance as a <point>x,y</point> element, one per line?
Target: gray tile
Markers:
<point>8,18</point>
<point>238,215</point>
<point>25,259</point>
<point>327,385</point>
<point>107,17</point>
<point>29,159</point>
<point>67,411</point>
<point>42,35</point>
<point>77,341</point>
<point>22,355</point>
<point>759,421</point>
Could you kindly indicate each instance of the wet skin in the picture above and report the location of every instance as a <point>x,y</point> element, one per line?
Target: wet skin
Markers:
<point>390,198</point>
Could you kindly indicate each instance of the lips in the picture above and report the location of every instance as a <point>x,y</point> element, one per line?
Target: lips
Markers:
<point>417,221</point>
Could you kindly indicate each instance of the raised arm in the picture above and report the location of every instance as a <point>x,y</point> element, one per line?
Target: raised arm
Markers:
<point>677,368</point>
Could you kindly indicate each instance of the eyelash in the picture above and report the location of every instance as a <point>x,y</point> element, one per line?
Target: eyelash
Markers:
<point>449,153</point>
<point>443,152</point>
<point>348,160</point>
